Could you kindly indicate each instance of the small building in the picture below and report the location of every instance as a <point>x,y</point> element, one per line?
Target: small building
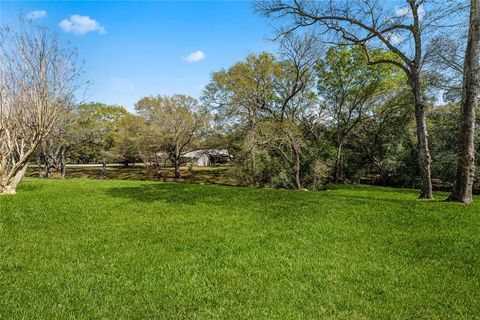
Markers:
<point>207,157</point>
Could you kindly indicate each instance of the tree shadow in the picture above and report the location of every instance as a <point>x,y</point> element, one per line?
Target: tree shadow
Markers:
<point>178,193</point>
<point>266,200</point>
<point>386,195</point>
<point>27,187</point>
<point>360,199</point>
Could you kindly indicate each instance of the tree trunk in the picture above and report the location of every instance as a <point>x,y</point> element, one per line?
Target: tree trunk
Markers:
<point>253,168</point>
<point>424,159</point>
<point>104,168</point>
<point>252,124</point>
<point>47,169</point>
<point>62,163</point>
<point>177,168</point>
<point>338,174</point>
<point>10,187</point>
<point>462,191</point>
<point>39,166</point>
<point>296,157</point>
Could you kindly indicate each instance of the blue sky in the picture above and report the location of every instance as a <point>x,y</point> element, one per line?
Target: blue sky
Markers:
<point>133,49</point>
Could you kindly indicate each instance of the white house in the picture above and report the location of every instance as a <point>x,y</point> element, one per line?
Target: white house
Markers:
<point>207,157</point>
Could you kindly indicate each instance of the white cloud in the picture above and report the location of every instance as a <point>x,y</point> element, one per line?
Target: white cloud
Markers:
<point>404,12</point>
<point>195,56</point>
<point>78,24</point>
<point>36,14</point>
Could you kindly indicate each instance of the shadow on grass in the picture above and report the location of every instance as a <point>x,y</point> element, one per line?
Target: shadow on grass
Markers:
<point>393,191</point>
<point>28,187</point>
<point>177,193</point>
<point>404,202</point>
<point>209,175</point>
<point>372,188</point>
<point>230,197</point>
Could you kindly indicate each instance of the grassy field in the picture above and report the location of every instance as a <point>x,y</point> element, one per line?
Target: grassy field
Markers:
<point>147,250</point>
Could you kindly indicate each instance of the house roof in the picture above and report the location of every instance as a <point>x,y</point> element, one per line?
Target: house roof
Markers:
<point>213,152</point>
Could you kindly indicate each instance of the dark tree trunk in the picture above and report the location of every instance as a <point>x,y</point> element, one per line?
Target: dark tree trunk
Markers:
<point>104,168</point>
<point>253,168</point>
<point>48,170</point>
<point>338,174</point>
<point>253,162</point>
<point>39,166</point>
<point>62,163</point>
<point>462,191</point>
<point>296,157</point>
<point>177,168</point>
<point>424,159</point>
<point>62,170</point>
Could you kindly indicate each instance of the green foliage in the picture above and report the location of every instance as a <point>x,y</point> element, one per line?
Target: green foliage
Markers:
<point>290,120</point>
<point>177,120</point>
<point>131,249</point>
<point>383,145</point>
<point>102,117</point>
<point>262,99</point>
<point>97,124</point>
<point>443,128</point>
<point>246,90</point>
<point>129,137</point>
<point>345,75</point>
<point>367,111</point>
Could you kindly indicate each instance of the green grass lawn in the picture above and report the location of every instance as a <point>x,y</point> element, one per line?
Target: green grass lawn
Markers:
<point>90,249</point>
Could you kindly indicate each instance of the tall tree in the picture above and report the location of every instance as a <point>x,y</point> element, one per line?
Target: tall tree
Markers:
<point>285,138</point>
<point>462,191</point>
<point>97,123</point>
<point>383,140</point>
<point>177,119</point>
<point>266,89</point>
<point>53,150</point>
<point>128,138</point>
<point>241,95</point>
<point>350,89</point>
<point>38,77</point>
<point>370,24</point>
